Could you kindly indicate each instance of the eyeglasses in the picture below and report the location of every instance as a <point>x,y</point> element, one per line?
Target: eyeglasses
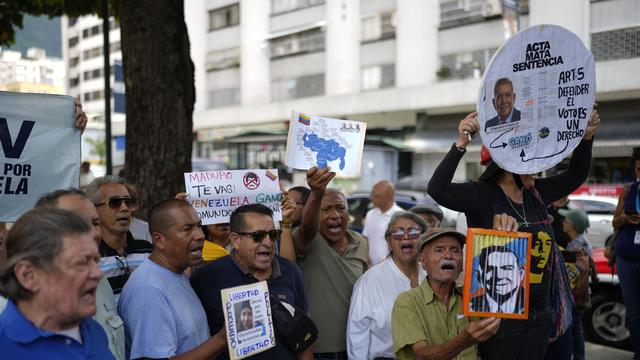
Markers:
<point>259,235</point>
<point>116,201</point>
<point>411,233</point>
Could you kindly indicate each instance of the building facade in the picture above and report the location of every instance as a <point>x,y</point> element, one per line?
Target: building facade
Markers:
<point>410,69</point>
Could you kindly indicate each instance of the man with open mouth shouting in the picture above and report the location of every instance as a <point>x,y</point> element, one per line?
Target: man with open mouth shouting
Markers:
<point>427,321</point>
<point>332,258</point>
<point>163,316</point>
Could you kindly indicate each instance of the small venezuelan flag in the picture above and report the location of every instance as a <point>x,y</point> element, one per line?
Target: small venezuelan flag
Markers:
<point>271,175</point>
<point>304,119</point>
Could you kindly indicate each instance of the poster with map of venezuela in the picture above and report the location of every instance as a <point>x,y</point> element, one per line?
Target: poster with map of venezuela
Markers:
<point>319,141</point>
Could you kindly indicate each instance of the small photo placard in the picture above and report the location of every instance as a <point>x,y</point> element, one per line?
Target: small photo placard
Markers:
<point>247,316</point>
<point>496,280</point>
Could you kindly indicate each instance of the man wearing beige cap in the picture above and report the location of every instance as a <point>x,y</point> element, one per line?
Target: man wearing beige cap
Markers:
<point>427,321</point>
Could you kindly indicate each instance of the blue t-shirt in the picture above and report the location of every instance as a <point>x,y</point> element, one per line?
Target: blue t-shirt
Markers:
<point>20,339</point>
<point>162,315</point>
<point>285,284</point>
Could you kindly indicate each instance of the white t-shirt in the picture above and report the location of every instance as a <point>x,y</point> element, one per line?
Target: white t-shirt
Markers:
<point>369,326</point>
<point>375,225</point>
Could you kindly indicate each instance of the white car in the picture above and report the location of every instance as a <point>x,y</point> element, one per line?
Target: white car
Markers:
<point>600,210</point>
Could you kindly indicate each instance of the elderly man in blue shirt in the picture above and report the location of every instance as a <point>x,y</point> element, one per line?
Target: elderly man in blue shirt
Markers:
<point>50,278</point>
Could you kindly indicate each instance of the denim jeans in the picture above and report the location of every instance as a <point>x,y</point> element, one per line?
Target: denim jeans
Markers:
<point>577,332</point>
<point>629,275</point>
<point>520,339</point>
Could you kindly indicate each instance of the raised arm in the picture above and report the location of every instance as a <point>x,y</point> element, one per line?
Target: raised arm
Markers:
<point>287,250</point>
<point>317,179</point>
<point>455,196</point>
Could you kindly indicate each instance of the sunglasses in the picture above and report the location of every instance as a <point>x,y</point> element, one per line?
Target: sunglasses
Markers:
<point>116,201</point>
<point>258,236</point>
<point>411,233</point>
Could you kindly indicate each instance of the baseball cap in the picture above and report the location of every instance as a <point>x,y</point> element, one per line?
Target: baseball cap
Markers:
<point>435,233</point>
<point>577,217</point>
<point>428,209</point>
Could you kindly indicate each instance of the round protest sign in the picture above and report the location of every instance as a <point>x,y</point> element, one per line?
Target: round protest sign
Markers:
<point>536,99</point>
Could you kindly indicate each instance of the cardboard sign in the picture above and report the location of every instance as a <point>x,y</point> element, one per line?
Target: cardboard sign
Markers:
<point>40,149</point>
<point>247,316</point>
<point>537,95</point>
<point>215,194</point>
<point>496,282</point>
<point>321,142</point>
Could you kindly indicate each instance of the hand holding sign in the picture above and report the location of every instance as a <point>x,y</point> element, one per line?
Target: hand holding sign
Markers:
<point>467,128</point>
<point>594,122</point>
<point>318,179</point>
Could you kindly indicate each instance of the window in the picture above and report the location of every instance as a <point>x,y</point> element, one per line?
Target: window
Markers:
<point>94,95</point>
<point>378,77</point>
<point>304,86</point>
<point>224,97</point>
<point>298,43</point>
<point>92,74</point>
<point>378,27</point>
<point>72,21</point>
<point>464,65</point>
<point>94,30</point>
<point>92,53</point>
<point>281,6</point>
<point>73,41</point>
<point>115,47</point>
<point>223,59</point>
<point>616,44</point>
<point>224,17</point>
<point>74,61</point>
<point>459,12</point>
<point>73,82</point>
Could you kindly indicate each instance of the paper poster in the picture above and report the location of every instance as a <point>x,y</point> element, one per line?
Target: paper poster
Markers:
<point>215,194</point>
<point>247,316</point>
<point>321,142</point>
<point>40,149</point>
<point>496,280</point>
<point>537,95</point>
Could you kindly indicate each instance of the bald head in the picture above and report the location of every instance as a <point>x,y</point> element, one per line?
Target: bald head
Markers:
<point>382,195</point>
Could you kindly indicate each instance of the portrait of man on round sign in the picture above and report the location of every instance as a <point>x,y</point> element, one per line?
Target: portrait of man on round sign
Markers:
<point>536,97</point>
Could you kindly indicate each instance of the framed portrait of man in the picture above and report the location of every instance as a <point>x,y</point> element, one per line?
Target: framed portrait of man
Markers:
<point>496,280</point>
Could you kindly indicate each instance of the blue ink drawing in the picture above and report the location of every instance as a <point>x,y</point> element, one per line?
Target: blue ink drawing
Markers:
<point>327,150</point>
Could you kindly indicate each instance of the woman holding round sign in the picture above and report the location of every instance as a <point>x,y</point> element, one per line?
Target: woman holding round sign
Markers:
<point>515,120</point>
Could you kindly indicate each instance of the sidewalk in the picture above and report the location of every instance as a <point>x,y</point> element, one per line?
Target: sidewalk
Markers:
<point>601,352</point>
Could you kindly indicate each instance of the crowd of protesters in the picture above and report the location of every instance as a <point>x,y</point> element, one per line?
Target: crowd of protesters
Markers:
<point>79,282</point>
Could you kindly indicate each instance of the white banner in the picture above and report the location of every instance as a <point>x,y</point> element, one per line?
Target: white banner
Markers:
<point>40,149</point>
<point>537,95</point>
<point>215,194</point>
<point>321,142</point>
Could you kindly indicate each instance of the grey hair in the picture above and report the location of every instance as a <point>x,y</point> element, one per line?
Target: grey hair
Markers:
<point>37,237</point>
<point>405,215</point>
<point>93,189</point>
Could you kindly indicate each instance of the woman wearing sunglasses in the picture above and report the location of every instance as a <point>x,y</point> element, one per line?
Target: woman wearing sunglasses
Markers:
<point>369,326</point>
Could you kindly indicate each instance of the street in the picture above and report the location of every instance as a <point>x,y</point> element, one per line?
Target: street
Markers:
<point>600,352</point>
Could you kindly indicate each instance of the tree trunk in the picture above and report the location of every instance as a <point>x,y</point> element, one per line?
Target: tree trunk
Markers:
<point>160,94</point>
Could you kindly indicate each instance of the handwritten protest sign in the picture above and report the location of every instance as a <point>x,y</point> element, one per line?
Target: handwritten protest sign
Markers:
<point>40,149</point>
<point>319,141</point>
<point>215,194</point>
<point>497,277</point>
<point>247,316</point>
<point>537,95</point>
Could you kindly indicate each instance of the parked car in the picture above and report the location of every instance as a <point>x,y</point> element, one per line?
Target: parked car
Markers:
<point>359,203</point>
<point>605,322</point>
<point>600,210</point>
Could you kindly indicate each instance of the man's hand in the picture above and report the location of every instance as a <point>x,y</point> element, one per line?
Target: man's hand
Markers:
<point>181,196</point>
<point>467,128</point>
<point>81,117</point>
<point>287,206</point>
<point>594,122</point>
<point>318,179</point>
<point>505,222</point>
<point>480,330</point>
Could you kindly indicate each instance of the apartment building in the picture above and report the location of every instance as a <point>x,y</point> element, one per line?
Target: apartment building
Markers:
<point>410,69</point>
<point>34,72</point>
